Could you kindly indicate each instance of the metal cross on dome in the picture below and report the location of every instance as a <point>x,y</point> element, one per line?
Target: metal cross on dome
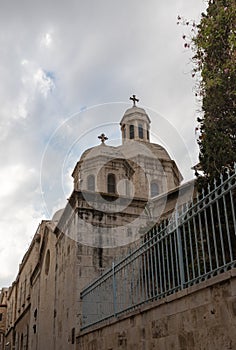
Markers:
<point>134,99</point>
<point>103,138</point>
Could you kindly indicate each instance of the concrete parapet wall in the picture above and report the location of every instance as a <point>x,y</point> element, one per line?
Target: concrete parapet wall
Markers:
<point>200,317</point>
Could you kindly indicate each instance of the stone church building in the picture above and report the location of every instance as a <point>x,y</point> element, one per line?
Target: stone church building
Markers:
<point>119,192</point>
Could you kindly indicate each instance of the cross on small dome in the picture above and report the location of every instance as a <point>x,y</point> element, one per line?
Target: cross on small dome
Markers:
<point>103,138</point>
<point>134,99</point>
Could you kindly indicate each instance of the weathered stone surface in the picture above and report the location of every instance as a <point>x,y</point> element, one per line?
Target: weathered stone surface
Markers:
<point>207,323</point>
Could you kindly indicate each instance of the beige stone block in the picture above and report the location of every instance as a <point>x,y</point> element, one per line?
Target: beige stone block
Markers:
<point>188,320</point>
<point>174,323</point>
<point>87,260</point>
<point>186,340</point>
<point>233,286</point>
<point>231,306</point>
<point>198,297</point>
<point>206,315</point>
<point>136,337</point>
<point>177,306</point>
<point>159,328</point>
<point>160,343</point>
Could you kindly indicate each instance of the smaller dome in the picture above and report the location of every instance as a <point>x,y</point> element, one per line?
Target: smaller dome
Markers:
<point>135,112</point>
<point>135,109</point>
<point>57,215</point>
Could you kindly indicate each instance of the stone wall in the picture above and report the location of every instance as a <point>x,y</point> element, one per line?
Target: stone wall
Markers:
<point>43,303</point>
<point>3,312</point>
<point>200,317</point>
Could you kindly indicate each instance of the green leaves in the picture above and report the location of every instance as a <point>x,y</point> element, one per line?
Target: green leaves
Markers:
<point>214,48</point>
<point>213,42</point>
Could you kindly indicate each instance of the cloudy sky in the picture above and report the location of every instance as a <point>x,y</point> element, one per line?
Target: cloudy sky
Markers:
<point>67,70</point>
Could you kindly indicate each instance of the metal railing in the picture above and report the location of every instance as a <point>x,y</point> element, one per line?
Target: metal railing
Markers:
<point>196,243</point>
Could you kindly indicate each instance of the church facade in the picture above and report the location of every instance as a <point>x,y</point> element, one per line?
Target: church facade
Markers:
<point>119,193</point>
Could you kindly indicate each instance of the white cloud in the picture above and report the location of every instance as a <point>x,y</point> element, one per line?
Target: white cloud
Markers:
<point>43,82</point>
<point>11,178</point>
<point>46,40</point>
<point>17,231</point>
<point>35,79</point>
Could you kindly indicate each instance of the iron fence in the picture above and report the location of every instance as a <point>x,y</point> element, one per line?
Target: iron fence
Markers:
<point>196,243</point>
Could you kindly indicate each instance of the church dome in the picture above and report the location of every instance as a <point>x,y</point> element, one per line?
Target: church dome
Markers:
<point>159,151</point>
<point>146,165</point>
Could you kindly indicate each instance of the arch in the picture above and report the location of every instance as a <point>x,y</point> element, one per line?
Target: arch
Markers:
<point>140,131</point>
<point>35,313</point>
<point>123,129</point>
<point>2,335</point>
<point>27,338</point>
<point>14,336</point>
<point>111,183</point>
<point>47,262</point>
<point>154,189</point>
<point>21,341</point>
<point>131,132</point>
<point>91,183</point>
<point>127,188</point>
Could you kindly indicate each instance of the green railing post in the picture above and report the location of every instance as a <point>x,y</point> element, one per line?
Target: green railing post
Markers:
<point>180,251</point>
<point>114,288</point>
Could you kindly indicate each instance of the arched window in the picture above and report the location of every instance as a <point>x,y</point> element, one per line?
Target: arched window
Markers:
<point>21,341</point>
<point>91,183</point>
<point>154,189</point>
<point>47,262</point>
<point>131,131</point>
<point>127,188</point>
<point>123,131</point>
<point>148,135</point>
<point>111,183</point>
<point>140,131</point>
